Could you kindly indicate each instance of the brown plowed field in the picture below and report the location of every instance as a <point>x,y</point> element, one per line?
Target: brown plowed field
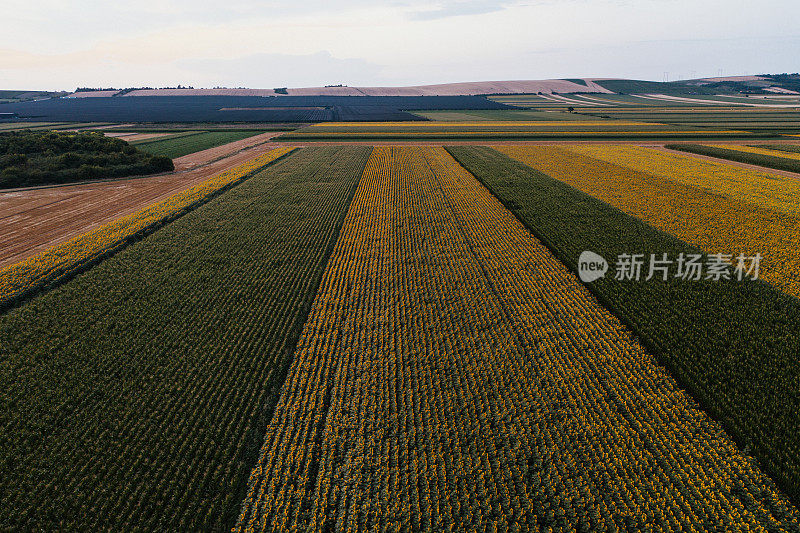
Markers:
<point>38,218</point>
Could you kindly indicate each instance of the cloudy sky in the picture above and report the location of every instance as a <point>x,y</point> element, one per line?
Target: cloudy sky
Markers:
<point>62,44</point>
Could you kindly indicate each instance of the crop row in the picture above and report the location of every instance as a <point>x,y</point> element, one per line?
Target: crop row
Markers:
<point>135,396</point>
<point>785,148</point>
<point>732,344</point>
<point>758,187</point>
<point>453,375</point>
<point>63,261</point>
<point>712,222</point>
<point>743,155</point>
<point>760,150</point>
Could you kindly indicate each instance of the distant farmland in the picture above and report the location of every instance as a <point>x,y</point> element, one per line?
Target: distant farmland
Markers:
<point>241,108</point>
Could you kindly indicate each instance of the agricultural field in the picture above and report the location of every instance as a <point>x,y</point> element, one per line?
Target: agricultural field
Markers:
<point>397,338</point>
<point>381,320</point>
<point>191,142</point>
<point>332,267</point>
<point>752,155</point>
<point>454,373</point>
<point>241,109</point>
<point>40,126</point>
<point>756,115</point>
<point>157,369</point>
<point>638,206</point>
<point>494,130</point>
<point>36,219</point>
<point>501,115</point>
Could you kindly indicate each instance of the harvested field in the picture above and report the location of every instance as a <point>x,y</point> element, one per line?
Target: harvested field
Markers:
<point>35,219</point>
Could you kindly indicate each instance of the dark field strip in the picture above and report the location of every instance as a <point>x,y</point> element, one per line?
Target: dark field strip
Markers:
<point>791,148</point>
<point>135,396</point>
<point>733,345</point>
<point>778,163</point>
<point>717,117</point>
<point>188,144</point>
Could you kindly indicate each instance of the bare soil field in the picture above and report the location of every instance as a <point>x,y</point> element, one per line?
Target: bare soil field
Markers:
<point>38,218</point>
<point>204,157</point>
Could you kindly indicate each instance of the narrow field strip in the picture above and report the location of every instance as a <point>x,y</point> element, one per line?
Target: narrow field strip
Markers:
<point>135,396</point>
<point>666,132</point>
<point>142,143</point>
<point>495,123</point>
<point>763,189</point>
<point>745,154</point>
<point>783,149</point>
<point>453,375</point>
<point>175,147</point>
<point>59,263</point>
<point>732,344</point>
<point>712,222</point>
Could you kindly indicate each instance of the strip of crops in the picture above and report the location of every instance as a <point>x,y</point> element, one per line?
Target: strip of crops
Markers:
<point>135,397</point>
<point>710,221</point>
<point>63,261</point>
<point>302,135</point>
<point>453,375</point>
<point>791,148</point>
<point>469,125</point>
<point>733,344</point>
<point>181,146</point>
<point>761,150</point>
<point>764,160</point>
<point>757,187</point>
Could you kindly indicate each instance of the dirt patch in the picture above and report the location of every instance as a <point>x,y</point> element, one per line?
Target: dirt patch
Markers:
<point>36,219</point>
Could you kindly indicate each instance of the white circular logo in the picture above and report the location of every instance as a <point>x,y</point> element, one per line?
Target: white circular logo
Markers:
<point>591,266</point>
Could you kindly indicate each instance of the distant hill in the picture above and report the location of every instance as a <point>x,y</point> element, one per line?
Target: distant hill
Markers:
<point>445,89</point>
<point>759,84</point>
<point>8,96</point>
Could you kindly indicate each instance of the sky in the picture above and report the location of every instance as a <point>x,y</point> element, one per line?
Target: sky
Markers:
<point>63,44</point>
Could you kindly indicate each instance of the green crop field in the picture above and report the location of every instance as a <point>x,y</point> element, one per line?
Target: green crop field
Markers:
<point>181,145</point>
<point>310,342</point>
<point>155,372</point>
